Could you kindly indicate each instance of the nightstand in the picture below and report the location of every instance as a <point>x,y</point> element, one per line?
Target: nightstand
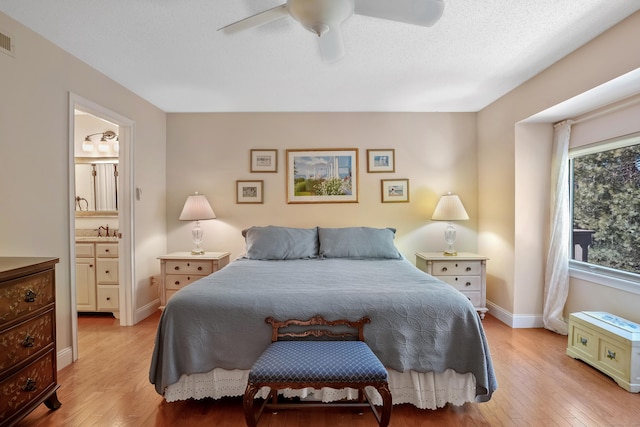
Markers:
<point>467,272</point>
<point>180,269</point>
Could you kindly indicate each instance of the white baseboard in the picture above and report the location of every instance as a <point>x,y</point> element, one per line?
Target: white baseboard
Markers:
<point>517,320</point>
<point>146,311</point>
<point>64,358</point>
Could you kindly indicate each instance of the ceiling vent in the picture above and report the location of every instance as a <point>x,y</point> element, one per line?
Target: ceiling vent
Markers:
<point>6,44</point>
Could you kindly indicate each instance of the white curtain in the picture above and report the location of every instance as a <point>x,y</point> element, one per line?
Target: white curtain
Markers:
<point>556,286</point>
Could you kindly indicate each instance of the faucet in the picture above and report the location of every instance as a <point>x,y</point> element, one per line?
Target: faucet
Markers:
<point>106,229</point>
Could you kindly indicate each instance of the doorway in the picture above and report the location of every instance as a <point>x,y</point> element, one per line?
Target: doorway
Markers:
<point>122,215</point>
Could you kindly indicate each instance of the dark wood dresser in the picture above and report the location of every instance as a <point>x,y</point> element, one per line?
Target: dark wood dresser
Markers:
<point>28,375</point>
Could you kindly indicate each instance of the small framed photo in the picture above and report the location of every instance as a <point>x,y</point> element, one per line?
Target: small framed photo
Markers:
<point>381,160</point>
<point>264,161</point>
<point>249,191</point>
<point>395,190</point>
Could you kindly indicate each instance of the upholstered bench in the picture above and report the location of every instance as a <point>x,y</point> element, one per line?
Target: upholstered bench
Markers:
<point>335,363</point>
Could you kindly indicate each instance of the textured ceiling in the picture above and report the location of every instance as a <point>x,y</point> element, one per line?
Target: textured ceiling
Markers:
<point>170,53</point>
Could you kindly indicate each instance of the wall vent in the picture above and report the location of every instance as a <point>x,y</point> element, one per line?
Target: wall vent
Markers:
<point>6,44</point>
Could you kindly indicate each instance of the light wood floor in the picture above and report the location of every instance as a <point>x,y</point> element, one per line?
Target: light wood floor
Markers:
<point>538,385</point>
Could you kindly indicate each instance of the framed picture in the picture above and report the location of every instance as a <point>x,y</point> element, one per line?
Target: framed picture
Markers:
<point>249,191</point>
<point>322,176</point>
<point>264,161</point>
<point>395,190</point>
<point>381,160</point>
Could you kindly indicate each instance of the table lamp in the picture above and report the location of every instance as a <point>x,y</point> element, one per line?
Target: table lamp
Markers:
<point>197,208</point>
<point>449,208</point>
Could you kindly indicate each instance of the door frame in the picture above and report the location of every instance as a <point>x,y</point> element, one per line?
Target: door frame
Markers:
<point>126,275</point>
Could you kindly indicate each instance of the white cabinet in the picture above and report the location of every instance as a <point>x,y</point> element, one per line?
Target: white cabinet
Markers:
<point>97,285</point>
<point>466,272</point>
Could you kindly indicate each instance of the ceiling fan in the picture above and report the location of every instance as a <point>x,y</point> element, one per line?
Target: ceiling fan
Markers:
<point>324,17</point>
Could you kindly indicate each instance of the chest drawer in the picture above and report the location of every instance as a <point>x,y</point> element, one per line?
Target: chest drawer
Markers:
<point>107,271</point>
<point>456,268</point>
<point>463,283</point>
<point>27,385</point>
<point>25,339</point>
<point>202,268</point>
<point>25,295</point>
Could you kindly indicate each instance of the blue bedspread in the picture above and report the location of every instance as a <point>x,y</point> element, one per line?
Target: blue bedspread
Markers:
<point>417,322</point>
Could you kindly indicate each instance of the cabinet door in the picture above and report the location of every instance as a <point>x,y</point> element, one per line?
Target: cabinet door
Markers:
<point>85,284</point>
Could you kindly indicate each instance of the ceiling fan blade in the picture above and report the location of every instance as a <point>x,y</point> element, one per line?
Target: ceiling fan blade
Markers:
<point>331,45</point>
<point>258,19</point>
<point>416,12</point>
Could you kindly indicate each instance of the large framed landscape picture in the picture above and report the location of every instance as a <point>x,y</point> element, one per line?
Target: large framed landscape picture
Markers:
<point>322,176</point>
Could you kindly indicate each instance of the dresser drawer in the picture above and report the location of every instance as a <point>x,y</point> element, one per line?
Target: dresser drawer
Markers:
<point>202,268</point>
<point>23,296</point>
<point>179,281</point>
<point>106,250</point>
<point>474,297</point>
<point>613,357</point>
<point>463,283</point>
<point>584,342</point>
<point>456,268</point>
<point>27,385</point>
<point>25,339</point>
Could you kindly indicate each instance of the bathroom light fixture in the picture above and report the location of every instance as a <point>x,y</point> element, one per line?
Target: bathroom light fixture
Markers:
<point>197,208</point>
<point>449,208</point>
<point>108,141</point>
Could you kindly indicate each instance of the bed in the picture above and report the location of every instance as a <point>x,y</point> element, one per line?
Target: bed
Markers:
<point>426,333</point>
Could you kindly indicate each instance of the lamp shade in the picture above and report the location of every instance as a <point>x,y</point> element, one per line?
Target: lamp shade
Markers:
<point>449,208</point>
<point>196,207</point>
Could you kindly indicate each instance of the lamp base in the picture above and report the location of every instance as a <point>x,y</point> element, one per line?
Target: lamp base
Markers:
<point>450,253</point>
<point>197,251</point>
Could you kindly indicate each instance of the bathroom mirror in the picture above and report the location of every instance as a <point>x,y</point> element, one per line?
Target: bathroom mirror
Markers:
<point>96,186</point>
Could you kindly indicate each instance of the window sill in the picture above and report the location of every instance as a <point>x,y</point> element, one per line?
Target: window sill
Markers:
<point>627,282</point>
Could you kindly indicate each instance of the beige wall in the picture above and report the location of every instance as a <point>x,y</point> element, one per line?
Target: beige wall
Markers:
<point>209,152</point>
<point>34,145</point>
<point>503,210</point>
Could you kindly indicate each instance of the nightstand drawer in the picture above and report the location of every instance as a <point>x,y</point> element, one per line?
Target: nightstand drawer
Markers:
<point>463,283</point>
<point>202,268</point>
<point>474,297</point>
<point>179,281</point>
<point>456,268</point>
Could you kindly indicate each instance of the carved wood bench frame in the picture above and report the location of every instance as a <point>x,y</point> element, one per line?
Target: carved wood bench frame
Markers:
<point>311,328</point>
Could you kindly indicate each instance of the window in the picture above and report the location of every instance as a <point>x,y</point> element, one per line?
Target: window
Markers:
<point>605,203</point>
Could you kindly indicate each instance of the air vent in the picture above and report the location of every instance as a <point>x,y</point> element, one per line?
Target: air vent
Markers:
<point>6,44</point>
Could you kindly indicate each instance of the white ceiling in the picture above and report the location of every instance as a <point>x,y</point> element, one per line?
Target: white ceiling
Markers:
<point>169,52</point>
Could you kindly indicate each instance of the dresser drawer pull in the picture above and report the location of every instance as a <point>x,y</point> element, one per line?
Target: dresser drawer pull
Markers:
<point>30,296</point>
<point>200,268</point>
<point>444,268</point>
<point>177,282</point>
<point>106,250</point>
<point>468,269</point>
<point>30,385</point>
<point>176,268</point>
<point>108,298</point>
<point>611,355</point>
<point>468,284</point>
<point>583,341</point>
<point>106,272</point>
<point>28,341</point>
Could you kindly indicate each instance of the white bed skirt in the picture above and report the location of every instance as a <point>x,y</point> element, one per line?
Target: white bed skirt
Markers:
<point>423,390</point>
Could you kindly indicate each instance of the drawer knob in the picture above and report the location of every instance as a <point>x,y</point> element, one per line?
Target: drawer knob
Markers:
<point>583,341</point>
<point>30,385</point>
<point>468,269</point>
<point>468,284</point>
<point>106,250</point>
<point>30,296</point>
<point>106,272</point>
<point>200,268</point>
<point>176,268</point>
<point>108,298</point>
<point>177,282</point>
<point>28,341</point>
<point>444,268</point>
<point>611,355</point>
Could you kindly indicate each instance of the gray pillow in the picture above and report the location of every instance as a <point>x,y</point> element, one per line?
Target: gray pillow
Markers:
<point>357,243</point>
<point>279,243</point>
